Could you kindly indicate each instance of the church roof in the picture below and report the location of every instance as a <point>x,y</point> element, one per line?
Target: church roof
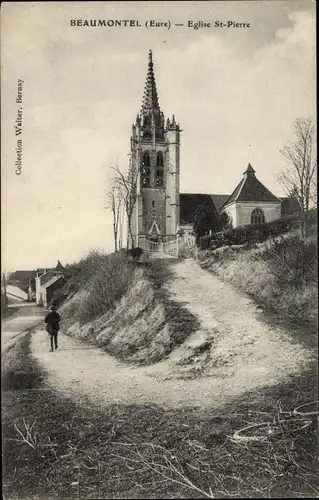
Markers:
<point>251,189</point>
<point>150,97</point>
<point>219,199</point>
<point>189,203</point>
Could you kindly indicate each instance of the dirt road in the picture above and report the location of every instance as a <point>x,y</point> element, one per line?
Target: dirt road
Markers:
<point>25,315</point>
<point>244,353</point>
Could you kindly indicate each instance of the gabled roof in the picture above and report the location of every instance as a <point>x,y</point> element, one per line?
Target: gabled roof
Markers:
<point>251,189</point>
<point>154,229</point>
<point>51,282</point>
<point>189,203</point>
<point>46,277</point>
<point>59,267</point>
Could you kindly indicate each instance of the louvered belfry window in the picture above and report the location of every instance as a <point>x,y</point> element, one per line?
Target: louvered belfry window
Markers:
<point>159,170</point>
<point>146,170</point>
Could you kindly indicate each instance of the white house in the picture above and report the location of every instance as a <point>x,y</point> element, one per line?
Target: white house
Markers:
<point>46,283</point>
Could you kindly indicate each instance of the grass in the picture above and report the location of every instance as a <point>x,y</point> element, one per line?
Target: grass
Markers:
<point>281,277</point>
<point>145,325</point>
<point>55,447</point>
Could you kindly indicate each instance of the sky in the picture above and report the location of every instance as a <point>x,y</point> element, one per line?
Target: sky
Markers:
<point>235,92</point>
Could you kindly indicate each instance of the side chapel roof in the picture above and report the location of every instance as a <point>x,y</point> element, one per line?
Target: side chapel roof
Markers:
<point>251,189</point>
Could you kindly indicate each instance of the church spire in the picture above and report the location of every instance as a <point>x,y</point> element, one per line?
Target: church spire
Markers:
<point>150,97</point>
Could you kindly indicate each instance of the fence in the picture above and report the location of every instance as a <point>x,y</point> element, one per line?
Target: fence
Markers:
<point>162,248</point>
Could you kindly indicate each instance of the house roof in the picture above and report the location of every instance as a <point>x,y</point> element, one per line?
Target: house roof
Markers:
<point>42,270</point>
<point>46,277</point>
<point>251,189</point>
<point>189,203</point>
<point>51,282</point>
<point>22,275</point>
<point>59,267</point>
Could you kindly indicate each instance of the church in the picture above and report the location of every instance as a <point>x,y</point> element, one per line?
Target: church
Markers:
<point>160,211</point>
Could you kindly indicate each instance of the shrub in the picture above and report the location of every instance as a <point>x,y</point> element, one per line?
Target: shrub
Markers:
<point>293,261</point>
<point>107,285</point>
<point>250,233</point>
<point>81,272</point>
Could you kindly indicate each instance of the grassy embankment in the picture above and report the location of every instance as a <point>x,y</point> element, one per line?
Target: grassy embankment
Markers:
<point>123,307</point>
<point>281,277</point>
<point>56,448</point>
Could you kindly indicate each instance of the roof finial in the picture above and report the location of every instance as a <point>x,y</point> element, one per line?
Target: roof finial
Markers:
<point>249,170</point>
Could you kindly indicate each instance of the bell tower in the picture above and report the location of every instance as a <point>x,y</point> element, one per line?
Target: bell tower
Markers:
<point>155,160</point>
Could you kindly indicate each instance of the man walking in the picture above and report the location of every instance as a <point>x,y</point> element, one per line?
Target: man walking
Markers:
<point>52,321</point>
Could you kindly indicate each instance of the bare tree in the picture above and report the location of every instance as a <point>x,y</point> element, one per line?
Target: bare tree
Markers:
<point>299,178</point>
<point>114,202</point>
<point>128,183</point>
<point>121,225</point>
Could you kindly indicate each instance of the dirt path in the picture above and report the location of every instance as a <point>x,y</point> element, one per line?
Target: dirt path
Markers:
<point>24,315</point>
<point>244,353</point>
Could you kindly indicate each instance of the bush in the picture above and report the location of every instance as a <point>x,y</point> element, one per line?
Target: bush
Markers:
<point>81,272</point>
<point>293,261</point>
<point>109,282</point>
<point>251,233</point>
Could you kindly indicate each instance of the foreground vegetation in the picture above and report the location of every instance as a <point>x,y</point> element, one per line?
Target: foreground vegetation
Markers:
<point>57,448</point>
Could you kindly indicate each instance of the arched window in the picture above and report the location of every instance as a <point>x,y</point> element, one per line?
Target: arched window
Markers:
<point>146,159</point>
<point>146,177</point>
<point>159,180</point>
<point>159,159</point>
<point>146,170</point>
<point>257,216</point>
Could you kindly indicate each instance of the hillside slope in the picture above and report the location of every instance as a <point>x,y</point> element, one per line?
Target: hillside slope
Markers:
<point>280,275</point>
<point>231,346</point>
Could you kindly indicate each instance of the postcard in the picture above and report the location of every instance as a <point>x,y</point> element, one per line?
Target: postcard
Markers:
<point>158,282</point>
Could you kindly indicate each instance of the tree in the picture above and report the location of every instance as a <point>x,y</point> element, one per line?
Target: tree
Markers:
<point>299,178</point>
<point>128,185</point>
<point>206,219</point>
<point>114,201</point>
<point>224,221</point>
